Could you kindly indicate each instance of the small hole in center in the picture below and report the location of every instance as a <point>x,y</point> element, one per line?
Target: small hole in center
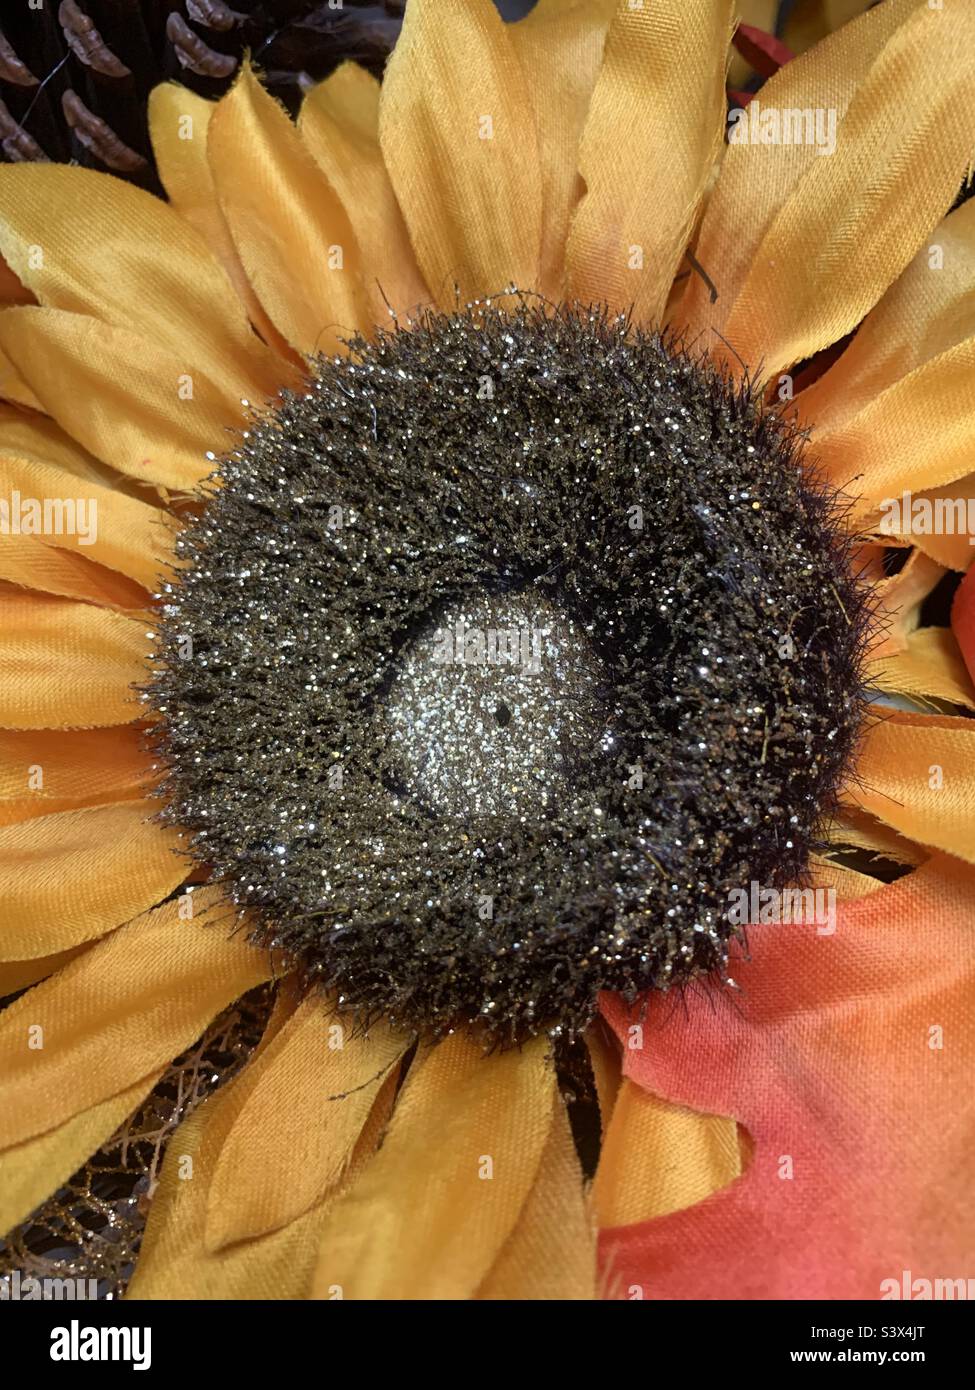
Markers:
<point>503,715</point>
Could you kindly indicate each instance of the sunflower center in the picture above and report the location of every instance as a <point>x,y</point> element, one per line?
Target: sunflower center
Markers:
<point>500,660</point>
<point>495,705</point>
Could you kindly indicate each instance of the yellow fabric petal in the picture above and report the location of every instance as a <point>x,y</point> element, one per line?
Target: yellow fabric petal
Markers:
<point>12,291</point>
<point>927,310</point>
<point>175,1261</point>
<point>458,137</point>
<point>74,875</point>
<point>953,550</point>
<point>303,1105</point>
<point>863,831</point>
<point>811,22</point>
<point>37,459</point>
<point>607,1068</point>
<point>756,181</point>
<point>98,246</point>
<point>429,1220</point>
<point>13,387</point>
<point>133,539</point>
<point>932,667</point>
<point>859,216</point>
<point>16,975</point>
<point>42,772</point>
<point>919,433</point>
<point>179,122</point>
<point>173,1265</point>
<point>67,665</point>
<point>34,1169</point>
<point>26,434</point>
<point>339,124</point>
<point>652,135</point>
<point>285,220</point>
<point>123,398</point>
<point>31,564</point>
<point>551,1253</point>
<point>916,773</point>
<point>659,1157</point>
<point>559,44</point>
<point>120,1011</point>
<point>846,883</point>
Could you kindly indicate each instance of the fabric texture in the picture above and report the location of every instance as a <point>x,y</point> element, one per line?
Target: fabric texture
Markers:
<point>845,1058</point>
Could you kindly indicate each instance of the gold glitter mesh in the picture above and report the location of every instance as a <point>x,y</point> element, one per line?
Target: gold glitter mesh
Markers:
<point>92,1227</point>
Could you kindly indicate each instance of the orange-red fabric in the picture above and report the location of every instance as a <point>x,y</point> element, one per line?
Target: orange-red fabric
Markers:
<point>848,1059</point>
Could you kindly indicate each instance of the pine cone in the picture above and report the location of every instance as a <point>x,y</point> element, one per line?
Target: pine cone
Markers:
<point>75,74</point>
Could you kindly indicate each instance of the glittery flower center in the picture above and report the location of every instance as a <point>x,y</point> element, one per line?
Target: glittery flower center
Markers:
<point>497,707</point>
<point>499,659</point>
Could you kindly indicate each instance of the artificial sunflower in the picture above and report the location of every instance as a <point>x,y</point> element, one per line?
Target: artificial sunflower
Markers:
<point>512,350</point>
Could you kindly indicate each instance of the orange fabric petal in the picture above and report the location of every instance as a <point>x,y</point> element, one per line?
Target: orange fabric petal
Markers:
<point>427,1222</point>
<point>74,875</point>
<point>179,122</point>
<point>115,253</point>
<point>756,181</point>
<point>458,137</point>
<point>339,124</point>
<point>559,44</point>
<point>651,137</point>
<point>832,1059</point>
<point>122,397</point>
<point>67,665</point>
<point>916,772</point>
<point>285,220</point>
<point>43,771</point>
<point>859,216</point>
<point>303,1104</point>
<point>122,1010</point>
